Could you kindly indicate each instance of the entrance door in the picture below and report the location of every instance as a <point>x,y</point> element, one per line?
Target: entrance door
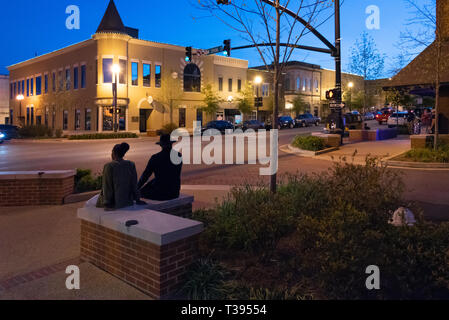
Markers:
<point>144,116</point>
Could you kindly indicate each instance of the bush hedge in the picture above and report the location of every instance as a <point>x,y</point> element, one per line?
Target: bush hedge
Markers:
<point>319,233</point>
<point>99,136</point>
<point>310,143</point>
<point>85,181</point>
<point>35,131</point>
<point>441,154</point>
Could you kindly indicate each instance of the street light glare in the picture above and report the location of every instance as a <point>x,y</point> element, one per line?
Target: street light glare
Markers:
<point>351,84</point>
<point>20,97</point>
<point>258,80</point>
<point>115,68</point>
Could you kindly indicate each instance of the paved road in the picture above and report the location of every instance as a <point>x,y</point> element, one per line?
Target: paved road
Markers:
<point>430,187</point>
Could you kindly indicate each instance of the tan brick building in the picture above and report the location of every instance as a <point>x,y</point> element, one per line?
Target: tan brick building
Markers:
<point>4,99</point>
<point>71,89</point>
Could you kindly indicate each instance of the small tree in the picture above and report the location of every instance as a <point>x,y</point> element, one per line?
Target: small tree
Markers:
<point>366,61</point>
<point>246,101</point>
<point>211,100</point>
<point>299,105</point>
<point>170,93</point>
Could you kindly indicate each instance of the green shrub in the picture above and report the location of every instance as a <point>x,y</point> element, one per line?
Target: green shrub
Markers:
<point>167,129</point>
<point>58,133</point>
<point>85,181</point>
<point>310,143</point>
<point>206,281</point>
<point>99,136</point>
<point>35,131</point>
<point>324,230</point>
<point>428,154</point>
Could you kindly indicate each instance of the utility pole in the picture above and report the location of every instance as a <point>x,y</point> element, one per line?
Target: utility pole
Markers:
<point>338,84</point>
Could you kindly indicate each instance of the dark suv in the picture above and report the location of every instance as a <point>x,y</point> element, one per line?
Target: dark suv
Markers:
<point>307,119</point>
<point>286,122</point>
<point>219,125</point>
<point>8,132</point>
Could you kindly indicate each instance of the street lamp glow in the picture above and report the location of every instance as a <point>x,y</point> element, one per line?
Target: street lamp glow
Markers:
<point>230,98</point>
<point>350,84</point>
<point>258,80</point>
<point>115,69</point>
<point>20,97</point>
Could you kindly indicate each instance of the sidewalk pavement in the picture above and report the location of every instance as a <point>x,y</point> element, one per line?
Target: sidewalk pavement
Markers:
<point>360,150</point>
<point>38,243</point>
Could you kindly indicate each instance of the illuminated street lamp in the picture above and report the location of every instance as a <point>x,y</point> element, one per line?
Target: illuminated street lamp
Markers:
<point>19,98</point>
<point>116,72</point>
<point>257,82</point>
<point>350,86</point>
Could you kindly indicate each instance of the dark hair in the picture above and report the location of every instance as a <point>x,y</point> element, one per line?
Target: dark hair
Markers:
<point>120,149</point>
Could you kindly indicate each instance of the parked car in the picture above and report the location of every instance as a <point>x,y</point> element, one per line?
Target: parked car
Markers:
<point>369,116</point>
<point>350,122</point>
<point>307,119</point>
<point>355,112</point>
<point>219,125</point>
<point>9,132</point>
<point>286,122</point>
<point>397,119</point>
<point>252,124</point>
<point>383,116</point>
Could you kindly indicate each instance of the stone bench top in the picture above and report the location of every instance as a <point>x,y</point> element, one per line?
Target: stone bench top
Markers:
<point>155,205</point>
<point>321,134</point>
<point>155,227</point>
<point>31,175</point>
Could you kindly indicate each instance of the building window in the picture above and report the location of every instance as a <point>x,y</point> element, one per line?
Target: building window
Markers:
<point>38,86</point>
<point>239,85</point>
<point>88,120</point>
<point>68,79</point>
<point>65,120</point>
<point>158,76</point>
<point>18,87</point>
<point>75,78</point>
<point>15,89</point>
<point>146,75</point>
<point>77,119</point>
<point>108,119</point>
<point>38,120</point>
<point>46,83</point>
<point>317,89</point>
<point>28,88</point>
<point>304,85</point>
<point>192,78</point>
<point>220,84</point>
<point>298,84</point>
<point>96,71</point>
<point>61,80</point>
<point>23,86</point>
<point>46,117</point>
<point>287,83</point>
<point>31,87</point>
<point>53,118</point>
<point>11,91</point>
<point>265,90</point>
<point>182,117</point>
<point>11,116</point>
<point>123,71</point>
<point>230,85</point>
<point>30,115</point>
<point>135,73</point>
<point>107,70</point>
<point>199,116</point>
<point>311,85</point>
<point>83,76</point>
<point>54,82</point>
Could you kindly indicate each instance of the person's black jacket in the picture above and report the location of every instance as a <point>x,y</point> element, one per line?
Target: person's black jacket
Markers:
<point>167,182</point>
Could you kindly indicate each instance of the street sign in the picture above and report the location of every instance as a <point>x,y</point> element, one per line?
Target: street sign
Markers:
<point>336,105</point>
<point>207,52</point>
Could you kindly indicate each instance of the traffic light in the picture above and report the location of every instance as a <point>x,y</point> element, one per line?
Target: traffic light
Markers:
<point>332,94</point>
<point>188,54</point>
<point>222,1</point>
<point>227,48</point>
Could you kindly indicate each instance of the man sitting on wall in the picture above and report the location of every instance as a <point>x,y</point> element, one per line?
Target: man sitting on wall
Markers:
<point>166,184</point>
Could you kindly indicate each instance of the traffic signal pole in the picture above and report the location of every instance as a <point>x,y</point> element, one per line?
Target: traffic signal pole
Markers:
<point>338,85</point>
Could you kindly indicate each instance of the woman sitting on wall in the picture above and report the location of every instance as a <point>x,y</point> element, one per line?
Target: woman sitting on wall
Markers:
<point>119,188</point>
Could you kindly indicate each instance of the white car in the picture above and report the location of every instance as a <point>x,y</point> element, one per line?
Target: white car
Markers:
<point>397,119</point>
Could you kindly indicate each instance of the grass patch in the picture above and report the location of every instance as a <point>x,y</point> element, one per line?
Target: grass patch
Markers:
<point>427,155</point>
<point>101,136</point>
<point>309,143</point>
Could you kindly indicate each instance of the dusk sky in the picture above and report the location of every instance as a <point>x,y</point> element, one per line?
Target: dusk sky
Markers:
<point>38,27</point>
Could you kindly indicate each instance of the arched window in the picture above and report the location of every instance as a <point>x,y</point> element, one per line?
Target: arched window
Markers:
<point>192,78</point>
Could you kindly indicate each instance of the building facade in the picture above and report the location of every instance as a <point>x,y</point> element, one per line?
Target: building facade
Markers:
<point>71,89</point>
<point>4,99</point>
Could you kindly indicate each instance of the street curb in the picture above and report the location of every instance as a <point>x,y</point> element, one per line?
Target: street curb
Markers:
<point>311,154</point>
<point>414,165</point>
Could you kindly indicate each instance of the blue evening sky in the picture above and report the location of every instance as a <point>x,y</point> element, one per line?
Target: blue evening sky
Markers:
<point>31,27</point>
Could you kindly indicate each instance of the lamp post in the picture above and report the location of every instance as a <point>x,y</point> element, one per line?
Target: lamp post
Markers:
<point>19,98</point>
<point>350,86</point>
<point>257,82</point>
<point>115,73</point>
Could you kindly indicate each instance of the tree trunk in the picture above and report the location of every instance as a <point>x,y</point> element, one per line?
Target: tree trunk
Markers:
<point>273,182</point>
<point>437,97</point>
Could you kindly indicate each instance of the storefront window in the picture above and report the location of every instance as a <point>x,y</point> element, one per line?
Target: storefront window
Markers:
<point>88,120</point>
<point>77,119</point>
<point>65,120</point>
